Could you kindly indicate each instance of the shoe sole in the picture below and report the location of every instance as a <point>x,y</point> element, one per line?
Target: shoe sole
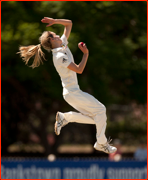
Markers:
<point>102,151</point>
<point>55,126</point>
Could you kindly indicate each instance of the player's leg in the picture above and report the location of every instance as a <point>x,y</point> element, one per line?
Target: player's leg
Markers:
<point>91,107</point>
<point>63,119</point>
<point>92,112</point>
<point>78,118</point>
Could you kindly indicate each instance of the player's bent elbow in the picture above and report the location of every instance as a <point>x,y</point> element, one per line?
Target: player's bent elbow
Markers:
<point>79,71</point>
<point>70,22</point>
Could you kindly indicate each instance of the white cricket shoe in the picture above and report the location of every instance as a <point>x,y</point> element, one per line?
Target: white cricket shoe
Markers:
<point>107,148</point>
<point>60,122</point>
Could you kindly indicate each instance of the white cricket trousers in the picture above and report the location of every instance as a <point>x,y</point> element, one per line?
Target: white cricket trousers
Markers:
<point>91,112</point>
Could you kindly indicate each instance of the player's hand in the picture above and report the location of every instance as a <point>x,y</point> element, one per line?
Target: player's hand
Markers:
<point>83,48</point>
<point>49,21</point>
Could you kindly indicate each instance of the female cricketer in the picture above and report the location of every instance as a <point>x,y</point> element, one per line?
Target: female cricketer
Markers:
<point>91,111</point>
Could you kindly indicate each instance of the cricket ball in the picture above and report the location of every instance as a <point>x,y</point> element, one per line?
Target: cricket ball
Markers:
<point>82,43</point>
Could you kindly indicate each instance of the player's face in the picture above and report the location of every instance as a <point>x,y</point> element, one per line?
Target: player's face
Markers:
<point>55,37</point>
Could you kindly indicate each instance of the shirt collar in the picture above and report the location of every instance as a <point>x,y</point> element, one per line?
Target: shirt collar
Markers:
<point>58,49</point>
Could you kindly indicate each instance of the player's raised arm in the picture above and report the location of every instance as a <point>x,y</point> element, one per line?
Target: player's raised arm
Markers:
<point>65,22</point>
<point>79,68</point>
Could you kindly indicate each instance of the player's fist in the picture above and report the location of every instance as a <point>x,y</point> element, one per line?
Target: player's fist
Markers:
<point>82,47</point>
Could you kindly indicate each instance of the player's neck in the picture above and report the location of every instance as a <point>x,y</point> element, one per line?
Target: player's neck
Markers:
<point>56,45</point>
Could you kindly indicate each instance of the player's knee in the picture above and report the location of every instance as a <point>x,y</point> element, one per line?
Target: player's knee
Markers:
<point>104,108</point>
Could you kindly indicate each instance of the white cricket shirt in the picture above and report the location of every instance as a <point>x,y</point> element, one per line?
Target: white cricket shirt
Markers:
<point>62,57</point>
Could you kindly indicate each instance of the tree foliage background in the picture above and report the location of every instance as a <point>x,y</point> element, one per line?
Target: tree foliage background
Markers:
<point>116,36</point>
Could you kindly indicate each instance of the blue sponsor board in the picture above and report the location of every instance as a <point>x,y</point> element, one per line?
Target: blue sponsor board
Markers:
<point>70,169</point>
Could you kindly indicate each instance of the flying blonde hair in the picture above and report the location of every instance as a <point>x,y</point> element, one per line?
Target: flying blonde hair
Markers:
<point>26,52</point>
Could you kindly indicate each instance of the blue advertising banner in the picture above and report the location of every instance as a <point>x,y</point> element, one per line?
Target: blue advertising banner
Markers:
<point>70,169</point>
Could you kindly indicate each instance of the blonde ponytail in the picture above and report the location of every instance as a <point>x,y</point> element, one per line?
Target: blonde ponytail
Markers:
<point>26,52</point>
